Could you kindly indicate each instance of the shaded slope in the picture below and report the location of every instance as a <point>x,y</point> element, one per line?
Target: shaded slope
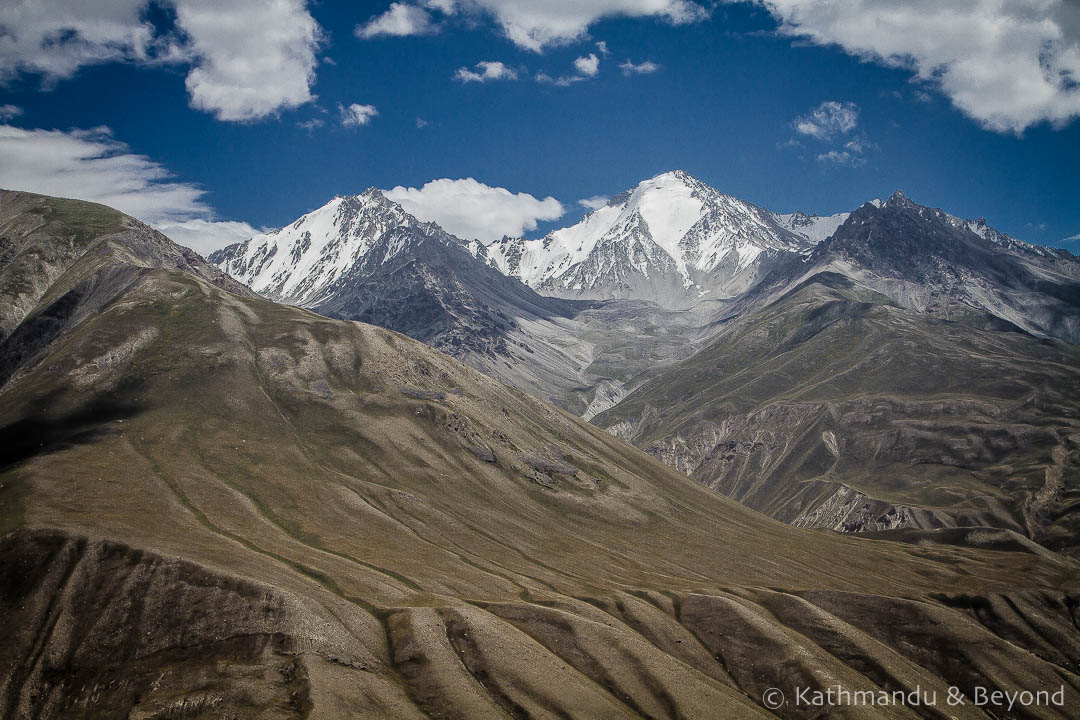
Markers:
<point>835,408</point>
<point>929,261</point>
<point>61,261</point>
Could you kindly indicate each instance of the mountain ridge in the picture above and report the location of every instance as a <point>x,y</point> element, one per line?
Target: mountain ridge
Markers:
<point>247,509</point>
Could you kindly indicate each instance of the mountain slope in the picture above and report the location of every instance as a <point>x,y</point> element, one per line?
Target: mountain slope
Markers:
<point>834,407</point>
<point>62,260</point>
<point>254,511</point>
<point>364,258</point>
<point>670,240</point>
<point>932,262</point>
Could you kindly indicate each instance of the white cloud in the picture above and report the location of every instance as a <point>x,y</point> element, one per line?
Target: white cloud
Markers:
<point>56,39</point>
<point>248,58</point>
<point>1007,65</point>
<point>9,112</point>
<point>206,236</point>
<point>92,165</point>
<point>588,65</point>
<point>603,48</point>
<point>594,203</point>
<point>252,58</point>
<point>531,24</point>
<point>470,209</point>
<point>310,125</point>
<point>842,157</point>
<point>536,24</point>
<point>421,123</point>
<point>643,68</point>
<point>485,71</point>
<point>561,81</point>
<point>399,20</point>
<point>833,124</point>
<point>828,120</point>
<point>356,115</point>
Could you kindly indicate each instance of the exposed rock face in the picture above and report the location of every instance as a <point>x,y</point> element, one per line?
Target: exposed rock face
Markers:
<point>934,263</point>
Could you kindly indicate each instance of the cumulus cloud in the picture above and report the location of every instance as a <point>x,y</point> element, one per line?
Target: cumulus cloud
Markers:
<point>92,165</point>
<point>399,20</point>
<point>1007,65</point>
<point>603,48</point>
<point>472,210</point>
<point>206,236</point>
<point>643,68</point>
<point>485,71</point>
<point>356,115</point>
<point>530,24</point>
<point>828,120</point>
<point>536,24</point>
<point>247,59</point>
<point>588,65</point>
<point>252,58</point>
<point>594,203</point>
<point>56,39</point>
<point>9,112</point>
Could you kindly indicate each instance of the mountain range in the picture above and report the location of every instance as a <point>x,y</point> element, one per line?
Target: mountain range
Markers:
<point>704,329</point>
<point>215,505</point>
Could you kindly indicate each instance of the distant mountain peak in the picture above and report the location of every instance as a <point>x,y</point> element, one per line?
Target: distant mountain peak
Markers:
<point>670,239</point>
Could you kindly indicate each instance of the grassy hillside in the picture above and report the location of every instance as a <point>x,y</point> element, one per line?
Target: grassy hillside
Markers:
<point>832,407</point>
<point>216,506</point>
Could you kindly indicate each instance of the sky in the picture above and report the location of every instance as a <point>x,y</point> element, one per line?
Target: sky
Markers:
<point>215,119</point>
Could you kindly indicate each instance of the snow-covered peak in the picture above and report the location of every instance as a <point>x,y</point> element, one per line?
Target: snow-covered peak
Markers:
<point>297,263</point>
<point>669,222</point>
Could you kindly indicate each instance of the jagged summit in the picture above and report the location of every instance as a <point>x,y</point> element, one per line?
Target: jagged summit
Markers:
<point>298,263</point>
<point>363,257</point>
<point>928,260</point>
<point>670,239</point>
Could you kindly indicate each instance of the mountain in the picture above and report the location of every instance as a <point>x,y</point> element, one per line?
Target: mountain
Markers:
<point>900,376</point>
<point>213,505</point>
<point>59,263</point>
<point>364,258</point>
<point>672,240</point>
<point>932,262</point>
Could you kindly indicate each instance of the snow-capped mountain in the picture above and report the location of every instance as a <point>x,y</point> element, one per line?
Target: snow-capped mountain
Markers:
<point>672,239</point>
<point>299,264</point>
<point>362,257</point>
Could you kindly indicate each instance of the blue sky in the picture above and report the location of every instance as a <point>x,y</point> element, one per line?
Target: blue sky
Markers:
<point>791,109</point>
